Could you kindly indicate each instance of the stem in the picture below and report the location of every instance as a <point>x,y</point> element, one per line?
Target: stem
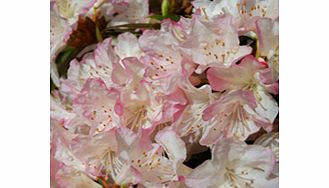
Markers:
<point>133,26</point>
<point>257,49</point>
<point>104,183</point>
<point>115,30</point>
<point>98,34</point>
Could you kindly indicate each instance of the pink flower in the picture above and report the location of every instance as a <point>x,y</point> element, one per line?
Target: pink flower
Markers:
<point>141,110</point>
<point>95,156</point>
<point>127,46</point>
<point>249,75</point>
<point>134,110</point>
<point>69,178</point>
<point>162,59</point>
<point>147,159</point>
<point>246,12</point>
<point>130,11</point>
<point>175,103</point>
<point>214,43</point>
<point>271,141</point>
<point>246,105</point>
<point>97,105</point>
<point>180,30</point>
<point>235,164</point>
<point>60,148</point>
<point>268,36</point>
<point>190,124</point>
<point>60,109</point>
<point>235,116</point>
<point>129,74</point>
<point>98,64</point>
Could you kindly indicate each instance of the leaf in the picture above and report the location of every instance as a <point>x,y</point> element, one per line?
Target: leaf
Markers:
<point>157,17</point>
<point>174,17</point>
<point>52,85</point>
<point>171,16</point>
<point>64,58</point>
<point>165,7</point>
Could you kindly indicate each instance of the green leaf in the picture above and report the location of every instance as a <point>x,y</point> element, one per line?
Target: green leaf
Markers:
<point>174,17</point>
<point>171,16</point>
<point>165,7</point>
<point>52,85</point>
<point>157,17</point>
<point>64,58</point>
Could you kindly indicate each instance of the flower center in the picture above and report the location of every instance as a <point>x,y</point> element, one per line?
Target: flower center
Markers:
<point>136,118</point>
<point>237,179</point>
<point>110,164</point>
<point>254,10</point>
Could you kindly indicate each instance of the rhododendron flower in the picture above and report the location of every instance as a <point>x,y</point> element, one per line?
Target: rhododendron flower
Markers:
<point>175,103</point>
<point>127,46</point>
<point>97,104</point>
<point>138,109</point>
<point>130,11</point>
<point>214,43</point>
<point>129,74</point>
<point>190,124</point>
<point>245,11</point>
<point>140,106</point>
<point>60,110</point>
<point>98,64</point>
<point>70,178</point>
<point>141,110</point>
<point>250,75</point>
<point>268,36</point>
<point>180,30</point>
<point>162,59</point>
<point>235,116</point>
<point>96,156</point>
<point>138,161</point>
<point>271,141</point>
<point>65,14</point>
<point>235,164</point>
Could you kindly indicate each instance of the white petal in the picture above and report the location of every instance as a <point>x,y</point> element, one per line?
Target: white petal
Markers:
<point>267,107</point>
<point>204,176</point>
<point>172,144</point>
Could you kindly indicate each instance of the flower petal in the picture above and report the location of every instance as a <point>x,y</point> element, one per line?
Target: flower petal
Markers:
<point>172,144</point>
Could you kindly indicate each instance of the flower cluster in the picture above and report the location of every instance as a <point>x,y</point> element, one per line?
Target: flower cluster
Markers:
<point>133,111</point>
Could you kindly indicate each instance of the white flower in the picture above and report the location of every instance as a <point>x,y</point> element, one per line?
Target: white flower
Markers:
<point>235,164</point>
